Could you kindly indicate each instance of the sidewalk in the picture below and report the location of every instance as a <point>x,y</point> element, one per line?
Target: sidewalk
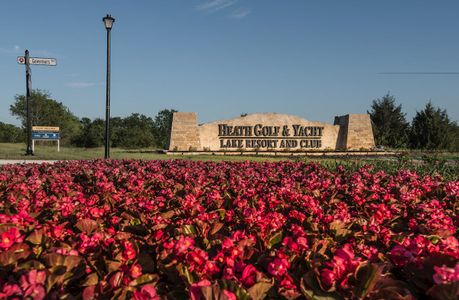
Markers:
<point>24,161</point>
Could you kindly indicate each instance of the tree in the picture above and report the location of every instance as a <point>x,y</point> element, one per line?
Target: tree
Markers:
<point>135,131</point>
<point>431,129</point>
<point>389,124</point>
<point>91,135</point>
<point>47,112</point>
<point>162,127</point>
<point>11,134</point>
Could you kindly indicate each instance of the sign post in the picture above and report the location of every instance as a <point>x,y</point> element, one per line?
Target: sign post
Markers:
<point>45,133</point>
<point>27,61</point>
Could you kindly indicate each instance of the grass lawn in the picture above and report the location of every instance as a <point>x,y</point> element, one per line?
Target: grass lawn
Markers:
<point>48,152</point>
<point>425,163</point>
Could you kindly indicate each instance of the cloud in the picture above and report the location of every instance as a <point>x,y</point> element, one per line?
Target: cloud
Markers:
<point>81,85</point>
<point>215,5</point>
<point>13,50</point>
<point>240,13</point>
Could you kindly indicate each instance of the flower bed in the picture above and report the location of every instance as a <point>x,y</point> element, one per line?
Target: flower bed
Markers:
<point>181,229</point>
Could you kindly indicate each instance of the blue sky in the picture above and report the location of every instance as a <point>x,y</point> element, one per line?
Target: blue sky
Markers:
<point>221,58</point>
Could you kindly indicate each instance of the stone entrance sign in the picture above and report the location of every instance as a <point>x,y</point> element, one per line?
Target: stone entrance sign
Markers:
<point>270,132</point>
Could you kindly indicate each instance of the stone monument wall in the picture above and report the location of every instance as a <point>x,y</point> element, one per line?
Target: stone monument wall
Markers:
<point>270,132</point>
<point>355,132</point>
<point>184,132</point>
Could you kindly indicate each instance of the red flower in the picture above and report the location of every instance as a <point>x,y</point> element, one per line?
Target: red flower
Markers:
<point>183,244</point>
<point>328,278</point>
<point>249,275</point>
<point>278,266</point>
<point>135,271</point>
<point>290,244</point>
<point>230,213</point>
<point>10,290</point>
<point>147,292</point>
<point>302,243</point>
<point>400,256</point>
<point>57,231</point>
<point>96,212</point>
<point>32,284</point>
<point>445,275</point>
<point>9,237</point>
<point>129,252</point>
<point>211,268</point>
<point>229,295</point>
<point>6,240</point>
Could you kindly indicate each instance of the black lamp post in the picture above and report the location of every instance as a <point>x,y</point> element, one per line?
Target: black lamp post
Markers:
<point>108,22</point>
<point>29,150</point>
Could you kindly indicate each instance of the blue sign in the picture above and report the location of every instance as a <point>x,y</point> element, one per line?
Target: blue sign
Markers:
<point>45,135</point>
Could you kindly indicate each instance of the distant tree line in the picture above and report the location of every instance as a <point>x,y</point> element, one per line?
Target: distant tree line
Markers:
<point>430,129</point>
<point>134,131</point>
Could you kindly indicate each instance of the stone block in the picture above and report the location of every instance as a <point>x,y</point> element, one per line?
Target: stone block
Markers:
<point>184,132</point>
<point>355,132</point>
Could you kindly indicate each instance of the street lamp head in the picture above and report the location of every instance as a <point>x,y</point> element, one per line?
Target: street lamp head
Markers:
<point>108,21</point>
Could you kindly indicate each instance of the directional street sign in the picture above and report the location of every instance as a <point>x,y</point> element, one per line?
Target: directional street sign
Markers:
<point>45,135</point>
<point>45,128</point>
<point>38,61</point>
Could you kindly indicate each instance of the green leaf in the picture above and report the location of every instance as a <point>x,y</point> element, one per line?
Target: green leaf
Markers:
<point>444,291</point>
<point>145,278</point>
<point>215,228</point>
<point>208,292</point>
<point>339,227</point>
<point>310,288</point>
<point>69,261</point>
<point>275,239</point>
<point>112,265</point>
<point>222,213</point>
<point>91,279</point>
<point>87,225</point>
<point>367,276</point>
<point>434,239</point>
<point>36,237</point>
<point>242,294</point>
<point>239,291</point>
<point>31,264</point>
<point>15,253</point>
<point>260,290</point>
<point>189,230</point>
<point>168,214</point>
<point>135,221</point>
<point>185,273</point>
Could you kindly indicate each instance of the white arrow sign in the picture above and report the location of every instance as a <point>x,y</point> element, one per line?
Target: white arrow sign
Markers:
<point>38,61</point>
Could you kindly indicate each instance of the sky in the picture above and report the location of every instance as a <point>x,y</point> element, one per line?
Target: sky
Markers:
<point>222,58</point>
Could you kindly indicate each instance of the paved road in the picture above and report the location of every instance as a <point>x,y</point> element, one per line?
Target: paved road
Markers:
<point>24,161</point>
